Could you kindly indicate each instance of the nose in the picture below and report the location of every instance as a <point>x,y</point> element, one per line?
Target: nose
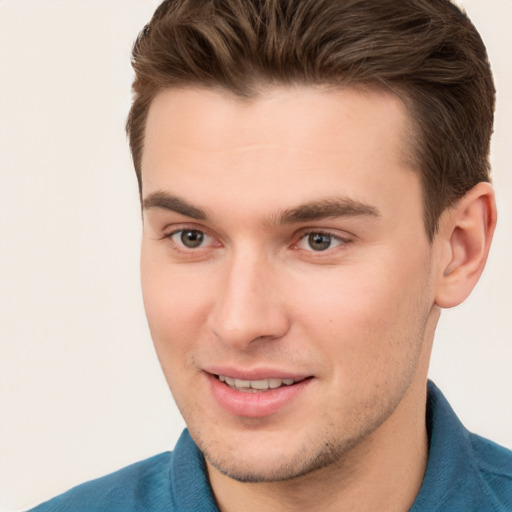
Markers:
<point>249,306</point>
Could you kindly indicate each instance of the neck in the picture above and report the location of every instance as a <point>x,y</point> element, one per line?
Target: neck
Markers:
<point>383,473</point>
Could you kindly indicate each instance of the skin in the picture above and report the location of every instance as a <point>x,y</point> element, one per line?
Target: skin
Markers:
<point>356,318</point>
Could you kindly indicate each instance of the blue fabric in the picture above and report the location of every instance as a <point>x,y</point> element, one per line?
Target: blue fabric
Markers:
<point>465,473</point>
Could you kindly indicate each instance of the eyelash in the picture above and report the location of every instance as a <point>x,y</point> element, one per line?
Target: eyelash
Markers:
<point>333,238</point>
<point>180,247</point>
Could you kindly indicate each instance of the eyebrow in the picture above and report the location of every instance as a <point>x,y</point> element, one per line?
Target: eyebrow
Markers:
<point>165,201</point>
<point>312,211</point>
<point>325,209</point>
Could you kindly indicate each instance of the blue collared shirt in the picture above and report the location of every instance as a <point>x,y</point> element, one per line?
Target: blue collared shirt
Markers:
<point>465,473</point>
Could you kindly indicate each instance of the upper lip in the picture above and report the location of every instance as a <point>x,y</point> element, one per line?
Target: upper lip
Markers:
<point>255,373</point>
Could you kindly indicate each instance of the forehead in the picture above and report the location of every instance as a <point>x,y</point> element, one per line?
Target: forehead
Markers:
<point>285,146</point>
<point>214,120</point>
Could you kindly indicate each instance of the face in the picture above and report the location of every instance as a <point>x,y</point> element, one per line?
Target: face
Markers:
<point>285,272</point>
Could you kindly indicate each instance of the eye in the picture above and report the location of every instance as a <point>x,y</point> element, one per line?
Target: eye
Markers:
<point>318,241</point>
<point>189,238</point>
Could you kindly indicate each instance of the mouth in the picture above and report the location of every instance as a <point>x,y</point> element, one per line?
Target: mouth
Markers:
<point>256,393</point>
<point>256,386</point>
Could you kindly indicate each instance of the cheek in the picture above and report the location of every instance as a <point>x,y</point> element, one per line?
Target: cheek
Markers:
<point>176,306</point>
<point>175,319</point>
<point>367,318</point>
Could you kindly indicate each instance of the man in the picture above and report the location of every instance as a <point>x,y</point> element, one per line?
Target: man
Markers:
<point>314,184</point>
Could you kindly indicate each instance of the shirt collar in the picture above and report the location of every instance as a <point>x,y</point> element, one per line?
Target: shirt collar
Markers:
<point>452,477</point>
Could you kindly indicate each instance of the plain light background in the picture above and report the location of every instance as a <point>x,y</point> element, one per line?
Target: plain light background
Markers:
<point>81,391</point>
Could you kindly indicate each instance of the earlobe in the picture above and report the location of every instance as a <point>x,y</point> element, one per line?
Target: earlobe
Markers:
<point>466,233</point>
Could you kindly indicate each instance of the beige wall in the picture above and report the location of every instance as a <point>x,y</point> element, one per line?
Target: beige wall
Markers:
<point>80,389</point>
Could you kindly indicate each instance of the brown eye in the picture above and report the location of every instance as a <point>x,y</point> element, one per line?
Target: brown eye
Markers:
<point>319,241</point>
<point>191,238</point>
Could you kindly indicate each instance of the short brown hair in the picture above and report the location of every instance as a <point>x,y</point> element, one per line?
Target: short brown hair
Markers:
<point>427,51</point>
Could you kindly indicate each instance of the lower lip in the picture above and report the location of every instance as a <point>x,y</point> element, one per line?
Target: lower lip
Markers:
<point>255,405</point>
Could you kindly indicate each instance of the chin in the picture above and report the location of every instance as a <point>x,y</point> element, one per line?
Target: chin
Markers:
<point>271,461</point>
<point>271,472</point>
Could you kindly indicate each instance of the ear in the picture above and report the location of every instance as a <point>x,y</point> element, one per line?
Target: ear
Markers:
<point>465,236</point>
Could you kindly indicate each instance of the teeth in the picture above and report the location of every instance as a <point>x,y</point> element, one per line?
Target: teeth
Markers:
<point>259,385</point>
<point>242,383</point>
<point>275,383</point>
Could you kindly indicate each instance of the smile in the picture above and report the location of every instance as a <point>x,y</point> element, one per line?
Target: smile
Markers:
<point>255,386</point>
<point>262,395</point>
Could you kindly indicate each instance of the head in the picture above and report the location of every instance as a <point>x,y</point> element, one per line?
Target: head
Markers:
<point>296,162</point>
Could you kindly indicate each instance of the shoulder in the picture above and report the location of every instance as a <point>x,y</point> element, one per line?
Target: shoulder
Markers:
<point>174,480</point>
<point>143,484</point>
<point>465,472</point>
<point>494,464</point>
